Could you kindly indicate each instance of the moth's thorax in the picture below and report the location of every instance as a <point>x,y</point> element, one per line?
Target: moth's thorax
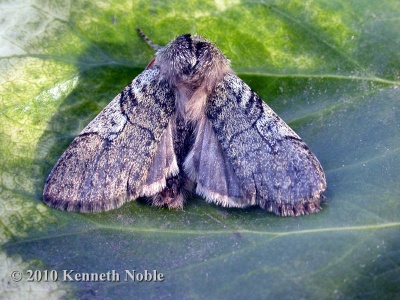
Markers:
<point>192,62</point>
<point>193,66</point>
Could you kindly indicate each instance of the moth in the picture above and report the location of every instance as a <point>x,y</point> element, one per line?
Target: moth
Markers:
<point>186,124</point>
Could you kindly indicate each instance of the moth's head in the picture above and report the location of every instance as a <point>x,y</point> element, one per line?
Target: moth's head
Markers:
<point>192,61</point>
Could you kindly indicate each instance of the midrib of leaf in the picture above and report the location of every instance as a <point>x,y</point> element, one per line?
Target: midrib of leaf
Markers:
<point>159,231</point>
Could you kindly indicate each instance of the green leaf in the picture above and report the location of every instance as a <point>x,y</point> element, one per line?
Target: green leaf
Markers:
<point>328,68</point>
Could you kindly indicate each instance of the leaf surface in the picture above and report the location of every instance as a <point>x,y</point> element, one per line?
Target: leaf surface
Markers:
<point>330,69</point>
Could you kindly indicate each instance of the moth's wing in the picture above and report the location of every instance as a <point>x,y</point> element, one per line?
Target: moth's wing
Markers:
<point>208,166</point>
<point>252,150</point>
<point>125,152</point>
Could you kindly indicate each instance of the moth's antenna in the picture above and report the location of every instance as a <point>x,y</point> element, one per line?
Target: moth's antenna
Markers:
<point>147,40</point>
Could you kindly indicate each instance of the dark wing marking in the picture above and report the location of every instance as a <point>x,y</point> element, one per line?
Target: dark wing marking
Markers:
<point>112,160</point>
<point>274,166</point>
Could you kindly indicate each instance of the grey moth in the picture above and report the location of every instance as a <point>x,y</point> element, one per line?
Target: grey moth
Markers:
<point>187,124</point>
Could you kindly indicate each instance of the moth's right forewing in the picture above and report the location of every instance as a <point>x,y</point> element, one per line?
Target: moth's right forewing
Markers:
<point>111,159</point>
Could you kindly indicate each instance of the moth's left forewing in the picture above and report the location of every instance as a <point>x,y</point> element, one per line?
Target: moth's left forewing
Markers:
<point>267,156</point>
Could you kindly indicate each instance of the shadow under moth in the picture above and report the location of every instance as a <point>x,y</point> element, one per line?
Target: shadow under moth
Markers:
<point>186,124</point>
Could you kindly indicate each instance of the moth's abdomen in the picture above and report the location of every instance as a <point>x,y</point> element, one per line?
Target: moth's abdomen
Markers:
<point>173,187</point>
